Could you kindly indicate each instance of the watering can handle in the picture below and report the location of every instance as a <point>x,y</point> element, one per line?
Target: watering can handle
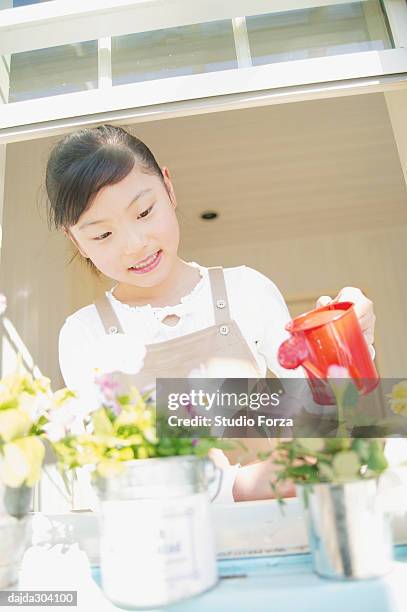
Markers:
<point>213,474</point>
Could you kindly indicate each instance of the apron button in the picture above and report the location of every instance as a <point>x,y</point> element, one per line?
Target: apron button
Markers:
<point>220,303</point>
<point>112,330</point>
<point>224,329</point>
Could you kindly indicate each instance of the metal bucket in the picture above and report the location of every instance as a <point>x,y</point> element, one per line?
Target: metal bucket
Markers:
<point>157,544</point>
<point>349,531</point>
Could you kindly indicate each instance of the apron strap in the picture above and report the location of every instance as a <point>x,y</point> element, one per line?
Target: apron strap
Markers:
<point>219,295</point>
<point>108,316</point>
<point>112,324</point>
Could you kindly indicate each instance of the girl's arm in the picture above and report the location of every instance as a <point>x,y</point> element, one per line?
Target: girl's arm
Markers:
<point>253,482</point>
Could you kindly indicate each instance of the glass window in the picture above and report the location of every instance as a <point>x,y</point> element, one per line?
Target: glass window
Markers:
<point>194,49</point>
<point>53,71</point>
<point>203,47</point>
<point>317,32</point>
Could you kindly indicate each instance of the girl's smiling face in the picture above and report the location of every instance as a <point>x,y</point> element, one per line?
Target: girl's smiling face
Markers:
<point>127,223</point>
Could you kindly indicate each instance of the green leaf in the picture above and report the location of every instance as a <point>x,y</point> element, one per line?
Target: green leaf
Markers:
<point>346,465</point>
<point>312,445</point>
<point>9,404</point>
<point>326,472</point>
<point>350,398</point>
<point>362,448</point>
<point>302,470</point>
<point>333,445</point>
<point>377,460</point>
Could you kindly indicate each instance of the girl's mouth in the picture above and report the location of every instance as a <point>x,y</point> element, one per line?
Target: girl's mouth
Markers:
<point>150,264</point>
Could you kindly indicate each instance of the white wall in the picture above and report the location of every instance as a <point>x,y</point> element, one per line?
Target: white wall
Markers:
<point>396,102</point>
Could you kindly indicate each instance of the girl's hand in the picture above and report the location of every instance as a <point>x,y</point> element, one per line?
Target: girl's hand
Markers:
<point>363,309</point>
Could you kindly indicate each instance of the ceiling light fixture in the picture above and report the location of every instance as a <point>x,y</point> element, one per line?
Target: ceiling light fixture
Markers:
<point>209,215</point>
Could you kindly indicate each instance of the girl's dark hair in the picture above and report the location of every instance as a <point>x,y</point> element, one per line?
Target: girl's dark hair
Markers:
<point>83,162</point>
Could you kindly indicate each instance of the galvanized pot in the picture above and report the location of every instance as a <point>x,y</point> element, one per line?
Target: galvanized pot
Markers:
<point>349,531</point>
<point>157,545</point>
<point>14,508</point>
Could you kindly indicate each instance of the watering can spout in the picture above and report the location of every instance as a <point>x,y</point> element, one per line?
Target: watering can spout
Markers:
<point>294,353</point>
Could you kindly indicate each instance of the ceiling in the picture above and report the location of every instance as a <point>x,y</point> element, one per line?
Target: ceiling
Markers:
<point>282,171</point>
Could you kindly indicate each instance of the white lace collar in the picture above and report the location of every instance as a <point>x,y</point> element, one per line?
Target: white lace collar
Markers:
<point>186,298</point>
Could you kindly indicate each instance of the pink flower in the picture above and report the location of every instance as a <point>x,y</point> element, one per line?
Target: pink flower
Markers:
<point>108,388</point>
<point>107,385</point>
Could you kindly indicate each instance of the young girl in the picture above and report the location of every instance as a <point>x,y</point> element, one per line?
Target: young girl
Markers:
<point>112,199</point>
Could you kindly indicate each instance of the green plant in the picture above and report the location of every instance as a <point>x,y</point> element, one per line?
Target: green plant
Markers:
<point>124,428</point>
<point>24,405</point>
<point>336,460</point>
<point>307,460</point>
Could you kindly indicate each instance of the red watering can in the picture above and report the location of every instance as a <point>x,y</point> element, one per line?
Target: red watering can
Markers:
<point>330,335</point>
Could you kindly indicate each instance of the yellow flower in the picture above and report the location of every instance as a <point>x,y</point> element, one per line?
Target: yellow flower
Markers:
<point>122,454</point>
<point>62,395</point>
<point>398,401</point>
<point>142,453</point>
<point>14,467</point>
<point>150,435</point>
<point>136,399</point>
<point>14,423</point>
<point>21,462</point>
<point>34,450</point>
<point>89,455</point>
<point>101,423</point>
<point>126,417</point>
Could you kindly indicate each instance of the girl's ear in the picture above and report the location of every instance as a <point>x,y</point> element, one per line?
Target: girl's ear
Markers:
<point>168,184</point>
<point>69,235</point>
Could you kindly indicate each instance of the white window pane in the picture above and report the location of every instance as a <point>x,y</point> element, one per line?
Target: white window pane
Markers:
<point>317,32</point>
<point>204,47</point>
<point>53,71</point>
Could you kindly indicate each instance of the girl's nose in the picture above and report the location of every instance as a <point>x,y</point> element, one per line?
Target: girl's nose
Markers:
<point>134,241</point>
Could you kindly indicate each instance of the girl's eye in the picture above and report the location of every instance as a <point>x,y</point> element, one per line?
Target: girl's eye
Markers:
<point>102,236</point>
<point>145,213</point>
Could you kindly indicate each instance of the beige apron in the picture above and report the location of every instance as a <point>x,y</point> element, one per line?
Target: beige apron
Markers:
<point>177,357</point>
